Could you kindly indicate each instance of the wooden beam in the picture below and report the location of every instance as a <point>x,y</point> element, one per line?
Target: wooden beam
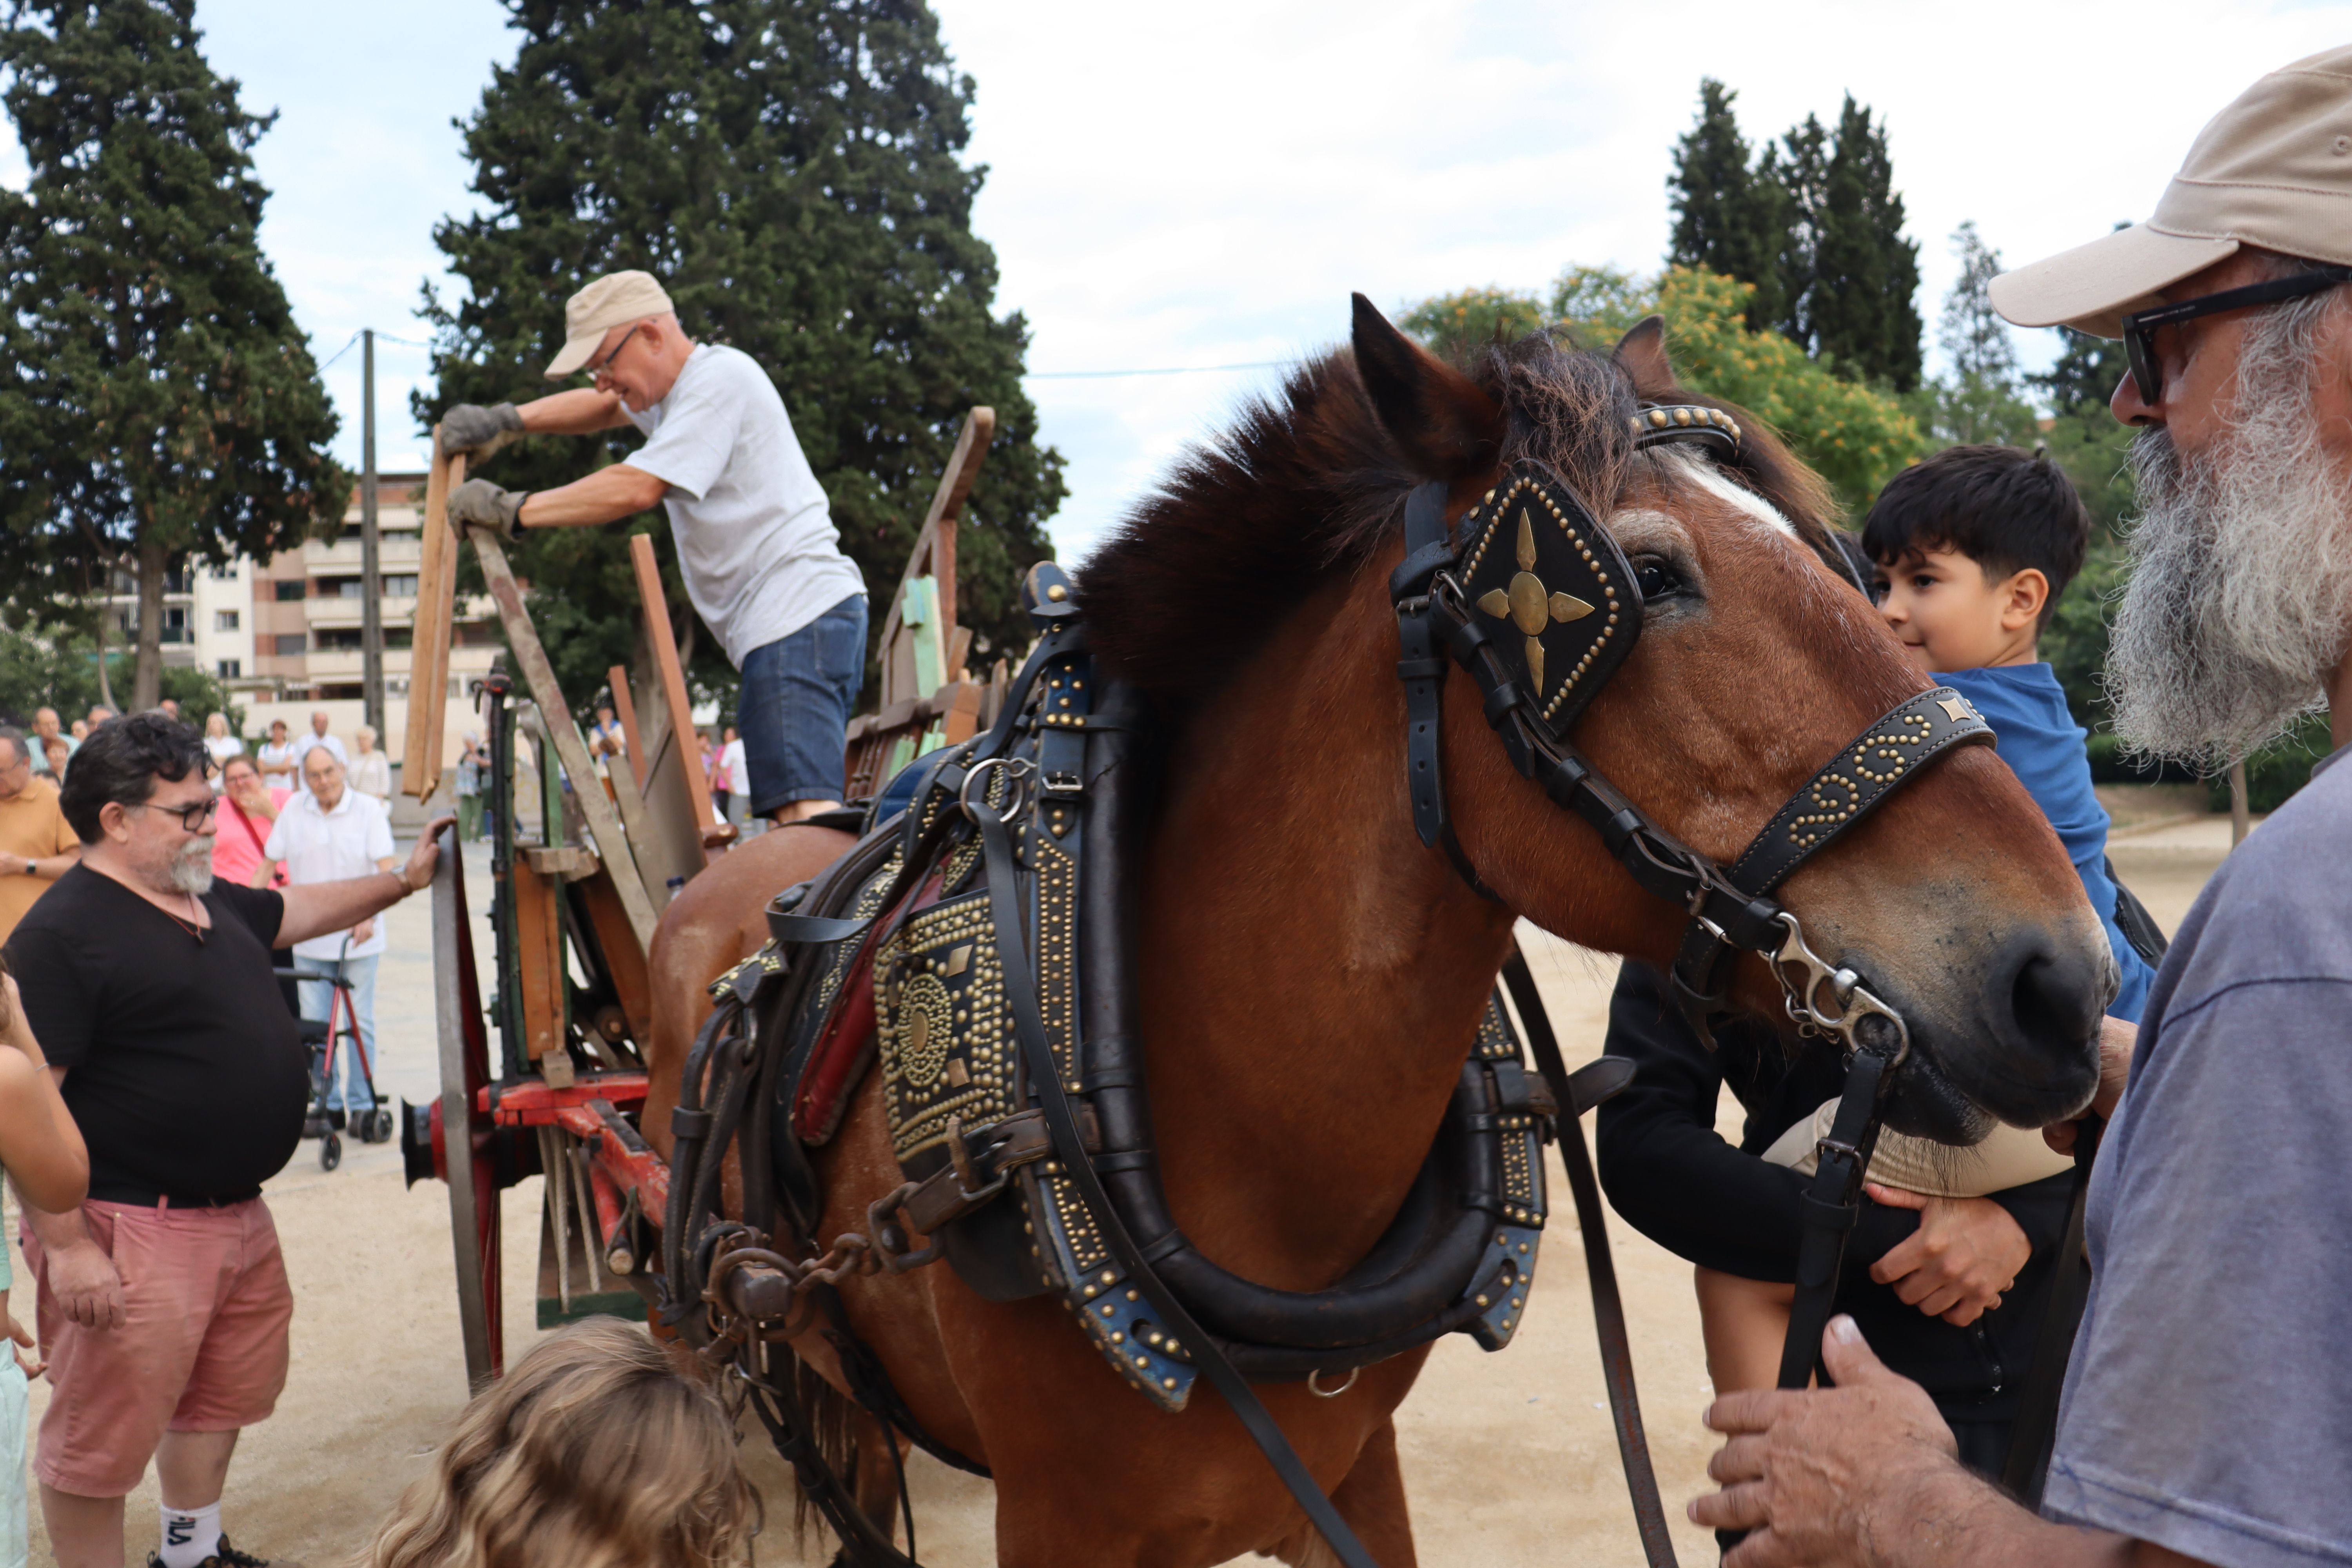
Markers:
<point>935,542</point>
<point>564,736</point>
<point>673,681</point>
<point>428,656</point>
<point>624,708</point>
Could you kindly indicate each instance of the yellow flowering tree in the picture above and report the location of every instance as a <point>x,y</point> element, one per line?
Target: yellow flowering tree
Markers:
<point>1856,437</point>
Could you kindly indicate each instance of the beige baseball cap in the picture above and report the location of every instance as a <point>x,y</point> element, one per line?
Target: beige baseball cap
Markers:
<point>612,300</point>
<point>2274,170</point>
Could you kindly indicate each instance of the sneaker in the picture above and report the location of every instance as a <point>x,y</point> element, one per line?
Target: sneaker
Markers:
<point>223,1555</point>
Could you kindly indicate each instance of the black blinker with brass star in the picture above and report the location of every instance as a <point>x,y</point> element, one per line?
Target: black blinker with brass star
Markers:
<point>1534,560</point>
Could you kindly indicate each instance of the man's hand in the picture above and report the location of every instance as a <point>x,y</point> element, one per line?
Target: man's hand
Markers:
<point>418,872</point>
<point>252,796</point>
<point>1827,1477</point>
<point>470,427</point>
<point>363,930</point>
<point>13,865</point>
<point>484,505</point>
<point>2118,1040</point>
<point>1955,1265</point>
<point>88,1290</point>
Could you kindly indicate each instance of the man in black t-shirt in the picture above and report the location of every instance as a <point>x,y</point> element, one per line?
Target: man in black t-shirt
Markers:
<point>162,1302</point>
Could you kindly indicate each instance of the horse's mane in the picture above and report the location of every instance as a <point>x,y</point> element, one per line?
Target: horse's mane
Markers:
<point>1305,485</point>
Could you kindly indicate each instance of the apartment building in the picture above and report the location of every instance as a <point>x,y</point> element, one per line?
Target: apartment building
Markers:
<point>303,615</point>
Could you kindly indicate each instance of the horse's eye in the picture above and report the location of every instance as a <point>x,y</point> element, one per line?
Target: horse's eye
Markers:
<point>1655,578</point>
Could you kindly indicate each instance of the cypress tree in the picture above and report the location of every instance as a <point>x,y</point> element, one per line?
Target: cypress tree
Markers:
<point>1796,171</point>
<point>1860,306</point>
<point>791,173</point>
<point>157,403</point>
<point>1728,219</point>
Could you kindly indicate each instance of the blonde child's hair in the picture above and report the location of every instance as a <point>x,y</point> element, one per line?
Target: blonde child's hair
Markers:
<point>595,1451</point>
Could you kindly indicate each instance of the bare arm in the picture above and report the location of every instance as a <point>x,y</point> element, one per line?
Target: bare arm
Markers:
<point>48,866</point>
<point>81,1275</point>
<point>38,1139</point>
<point>323,907</point>
<point>1866,1475</point>
<point>607,495</point>
<point>578,412</point>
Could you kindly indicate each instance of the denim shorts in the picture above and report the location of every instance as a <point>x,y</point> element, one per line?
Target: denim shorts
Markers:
<point>793,713</point>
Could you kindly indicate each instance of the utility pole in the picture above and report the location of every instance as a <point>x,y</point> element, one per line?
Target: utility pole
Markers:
<point>371,579</point>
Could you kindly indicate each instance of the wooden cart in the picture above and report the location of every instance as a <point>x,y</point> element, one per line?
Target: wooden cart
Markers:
<point>550,1078</point>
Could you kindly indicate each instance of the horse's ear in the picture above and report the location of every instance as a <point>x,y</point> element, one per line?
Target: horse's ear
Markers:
<point>1642,356</point>
<point>1447,427</point>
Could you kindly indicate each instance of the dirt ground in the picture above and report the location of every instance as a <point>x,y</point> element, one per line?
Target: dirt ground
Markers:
<point>1509,1458</point>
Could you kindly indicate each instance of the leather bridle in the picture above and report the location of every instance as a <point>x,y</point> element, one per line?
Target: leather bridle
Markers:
<point>1435,590</point>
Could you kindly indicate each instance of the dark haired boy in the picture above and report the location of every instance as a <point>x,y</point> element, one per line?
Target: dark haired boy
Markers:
<point>1973,547</point>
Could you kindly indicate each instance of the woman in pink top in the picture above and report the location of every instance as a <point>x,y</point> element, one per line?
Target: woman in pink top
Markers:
<point>248,810</point>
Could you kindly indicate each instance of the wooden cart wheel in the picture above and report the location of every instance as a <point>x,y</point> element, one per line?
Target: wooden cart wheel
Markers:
<point>465,1132</point>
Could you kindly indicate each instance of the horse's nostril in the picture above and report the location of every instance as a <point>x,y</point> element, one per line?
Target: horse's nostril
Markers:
<point>2042,1004</point>
<point>2043,1058</point>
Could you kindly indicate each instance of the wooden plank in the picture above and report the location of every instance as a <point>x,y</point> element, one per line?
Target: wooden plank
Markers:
<point>624,707</point>
<point>566,862</point>
<point>473,1199</point>
<point>428,657</point>
<point>935,544</point>
<point>672,678</point>
<point>563,736</point>
<point>539,959</point>
<point>921,606</point>
<point>625,961</point>
<point>644,843</point>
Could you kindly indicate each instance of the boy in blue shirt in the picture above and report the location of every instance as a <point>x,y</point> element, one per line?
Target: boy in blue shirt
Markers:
<point>1973,546</point>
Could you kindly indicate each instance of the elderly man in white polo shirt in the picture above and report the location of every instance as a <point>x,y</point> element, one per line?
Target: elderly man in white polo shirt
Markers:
<point>329,833</point>
<point>756,543</point>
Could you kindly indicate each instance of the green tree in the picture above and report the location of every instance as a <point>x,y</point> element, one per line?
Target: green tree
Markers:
<point>157,403</point>
<point>1454,326</point>
<point>1796,168</point>
<point>792,174</point>
<point>1729,218</point>
<point>1864,274</point>
<point>1982,397</point>
<point>1856,437</point>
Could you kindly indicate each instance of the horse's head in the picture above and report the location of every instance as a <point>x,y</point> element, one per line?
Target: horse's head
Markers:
<point>1757,660</point>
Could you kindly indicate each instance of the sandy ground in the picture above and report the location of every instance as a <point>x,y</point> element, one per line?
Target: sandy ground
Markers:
<point>1509,1458</point>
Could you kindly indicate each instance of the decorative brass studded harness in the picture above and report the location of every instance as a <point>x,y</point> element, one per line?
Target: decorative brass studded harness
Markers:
<point>982,926</point>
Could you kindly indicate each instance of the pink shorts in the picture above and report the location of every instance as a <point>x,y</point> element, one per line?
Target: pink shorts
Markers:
<point>203,1347</point>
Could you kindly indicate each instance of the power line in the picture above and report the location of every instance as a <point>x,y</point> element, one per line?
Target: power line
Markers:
<point>1170,370</point>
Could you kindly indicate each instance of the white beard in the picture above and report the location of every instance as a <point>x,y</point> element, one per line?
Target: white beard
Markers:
<point>2240,591</point>
<point>191,870</point>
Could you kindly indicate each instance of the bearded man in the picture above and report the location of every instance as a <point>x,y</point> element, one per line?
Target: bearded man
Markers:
<point>2208,1410</point>
<point>162,1300</point>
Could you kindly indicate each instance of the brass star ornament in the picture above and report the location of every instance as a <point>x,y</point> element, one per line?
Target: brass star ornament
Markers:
<point>1527,604</point>
<point>1534,559</point>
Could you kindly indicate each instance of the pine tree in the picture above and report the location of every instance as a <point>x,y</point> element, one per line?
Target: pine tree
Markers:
<point>792,174</point>
<point>1729,218</point>
<point>157,403</point>
<point>1795,170</point>
<point>1982,398</point>
<point>1865,274</point>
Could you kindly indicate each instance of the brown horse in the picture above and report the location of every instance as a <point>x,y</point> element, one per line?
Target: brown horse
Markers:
<point>1312,976</point>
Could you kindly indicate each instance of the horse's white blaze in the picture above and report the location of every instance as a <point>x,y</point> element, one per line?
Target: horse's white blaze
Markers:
<point>1710,478</point>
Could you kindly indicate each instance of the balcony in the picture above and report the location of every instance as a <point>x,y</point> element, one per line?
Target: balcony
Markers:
<point>341,557</point>
<point>340,611</point>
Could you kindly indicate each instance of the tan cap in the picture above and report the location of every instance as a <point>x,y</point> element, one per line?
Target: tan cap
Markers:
<point>2274,170</point>
<point>612,300</point>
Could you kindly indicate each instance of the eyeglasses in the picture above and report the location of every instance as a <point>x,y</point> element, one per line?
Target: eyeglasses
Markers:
<point>602,365</point>
<point>2139,330</point>
<point>192,817</point>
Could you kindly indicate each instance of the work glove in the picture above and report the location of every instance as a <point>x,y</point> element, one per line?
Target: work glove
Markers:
<point>480,502</point>
<point>470,427</point>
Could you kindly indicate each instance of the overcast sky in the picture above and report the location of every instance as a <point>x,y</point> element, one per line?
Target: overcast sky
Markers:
<point>1202,185</point>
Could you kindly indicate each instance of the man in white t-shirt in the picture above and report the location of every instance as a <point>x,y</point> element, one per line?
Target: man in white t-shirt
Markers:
<point>329,833</point>
<point>755,539</point>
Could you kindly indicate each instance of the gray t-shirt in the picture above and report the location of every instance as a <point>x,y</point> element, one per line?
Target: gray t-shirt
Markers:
<point>755,537</point>
<point>2209,1405</point>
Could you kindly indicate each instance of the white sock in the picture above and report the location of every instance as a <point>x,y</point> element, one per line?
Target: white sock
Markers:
<point>190,1534</point>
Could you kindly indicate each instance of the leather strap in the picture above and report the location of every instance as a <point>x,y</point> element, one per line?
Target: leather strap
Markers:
<point>1600,1269</point>
<point>1044,1082</point>
<point>1865,771</point>
<point>1832,1205</point>
<point>1423,669</point>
